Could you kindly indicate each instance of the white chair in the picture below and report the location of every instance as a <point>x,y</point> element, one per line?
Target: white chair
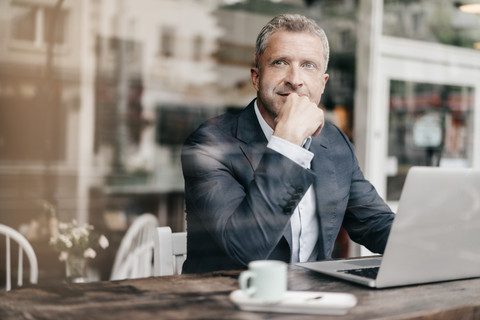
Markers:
<point>170,252</point>
<point>134,258</point>
<point>23,246</point>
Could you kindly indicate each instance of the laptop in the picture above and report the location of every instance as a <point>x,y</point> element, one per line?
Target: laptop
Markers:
<point>435,235</point>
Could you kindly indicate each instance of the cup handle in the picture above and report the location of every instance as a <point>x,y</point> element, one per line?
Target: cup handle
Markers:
<point>243,282</point>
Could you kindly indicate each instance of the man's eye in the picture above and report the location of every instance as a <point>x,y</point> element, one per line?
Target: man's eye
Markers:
<point>309,65</point>
<point>278,63</point>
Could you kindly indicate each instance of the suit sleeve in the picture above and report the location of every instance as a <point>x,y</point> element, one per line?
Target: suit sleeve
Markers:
<point>244,208</point>
<point>368,218</point>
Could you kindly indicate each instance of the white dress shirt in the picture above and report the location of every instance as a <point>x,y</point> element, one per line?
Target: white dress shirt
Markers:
<point>304,220</point>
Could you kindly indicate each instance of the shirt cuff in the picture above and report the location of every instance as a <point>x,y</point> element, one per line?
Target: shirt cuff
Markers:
<point>292,151</point>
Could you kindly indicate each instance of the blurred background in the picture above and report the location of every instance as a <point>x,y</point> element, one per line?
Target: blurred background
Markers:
<point>97,97</point>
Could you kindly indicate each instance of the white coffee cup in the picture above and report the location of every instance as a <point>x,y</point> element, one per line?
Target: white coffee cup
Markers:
<point>265,280</point>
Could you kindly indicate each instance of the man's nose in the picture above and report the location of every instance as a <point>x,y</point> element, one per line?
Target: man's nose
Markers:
<point>293,78</point>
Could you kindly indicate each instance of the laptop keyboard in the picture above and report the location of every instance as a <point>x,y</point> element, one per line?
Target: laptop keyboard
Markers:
<point>363,272</point>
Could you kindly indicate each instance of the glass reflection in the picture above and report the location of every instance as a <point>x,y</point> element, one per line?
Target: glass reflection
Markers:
<point>438,21</point>
<point>429,125</point>
<point>96,97</point>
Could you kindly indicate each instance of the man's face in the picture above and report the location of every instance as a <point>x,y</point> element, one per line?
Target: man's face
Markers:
<point>292,62</point>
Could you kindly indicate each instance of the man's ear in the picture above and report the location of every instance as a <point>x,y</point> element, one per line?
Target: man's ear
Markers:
<point>325,79</point>
<point>255,75</point>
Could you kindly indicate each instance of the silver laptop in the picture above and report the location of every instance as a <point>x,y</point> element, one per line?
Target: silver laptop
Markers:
<point>435,235</point>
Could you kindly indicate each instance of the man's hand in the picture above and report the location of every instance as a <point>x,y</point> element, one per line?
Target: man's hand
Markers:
<point>298,119</point>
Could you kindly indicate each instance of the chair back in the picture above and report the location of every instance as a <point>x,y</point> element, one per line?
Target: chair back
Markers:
<point>23,247</point>
<point>170,251</point>
<point>134,258</point>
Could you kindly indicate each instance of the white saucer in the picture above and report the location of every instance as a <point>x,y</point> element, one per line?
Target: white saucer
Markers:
<point>308,302</point>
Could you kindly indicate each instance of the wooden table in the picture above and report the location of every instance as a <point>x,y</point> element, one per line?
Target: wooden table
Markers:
<point>206,297</point>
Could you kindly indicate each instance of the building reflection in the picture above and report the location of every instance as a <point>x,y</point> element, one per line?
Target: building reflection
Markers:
<point>429,125</point>
<point>97,96</point>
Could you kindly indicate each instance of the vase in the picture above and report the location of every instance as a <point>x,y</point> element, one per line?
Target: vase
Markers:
<point>76,269</point>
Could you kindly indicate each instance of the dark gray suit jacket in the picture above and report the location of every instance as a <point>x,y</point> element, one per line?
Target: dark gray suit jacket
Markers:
<point>240,195</point>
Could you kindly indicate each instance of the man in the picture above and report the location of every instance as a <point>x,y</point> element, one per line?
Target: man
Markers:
<point>274,181</point>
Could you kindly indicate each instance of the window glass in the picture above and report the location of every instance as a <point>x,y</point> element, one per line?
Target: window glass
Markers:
<point>23,22</point>
<point>439,21</point>
<point>167,42</point>
<point>37,24</point>
<point>59,25</point>
<point>98,126</point>
<point>197,48</point>
<point>429,125</point>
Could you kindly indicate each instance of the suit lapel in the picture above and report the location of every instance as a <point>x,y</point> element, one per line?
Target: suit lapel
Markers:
<point>250,133</point>
<point>253,146</point>
<point>324,185</point>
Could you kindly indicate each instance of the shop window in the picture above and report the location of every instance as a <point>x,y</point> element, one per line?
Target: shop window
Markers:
<point>38,25</point>
<point>429,125</point>
<point>438,21</point>
<point>167,42</point>
<point>197,48</point>
<point>175,123</point>
<point>346,39</point>
<point>418,20</point>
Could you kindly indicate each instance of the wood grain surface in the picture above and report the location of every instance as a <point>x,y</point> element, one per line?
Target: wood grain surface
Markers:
<point>206,297</point>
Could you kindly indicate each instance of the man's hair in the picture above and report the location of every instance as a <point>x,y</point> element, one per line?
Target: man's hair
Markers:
<point>293,23</point>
